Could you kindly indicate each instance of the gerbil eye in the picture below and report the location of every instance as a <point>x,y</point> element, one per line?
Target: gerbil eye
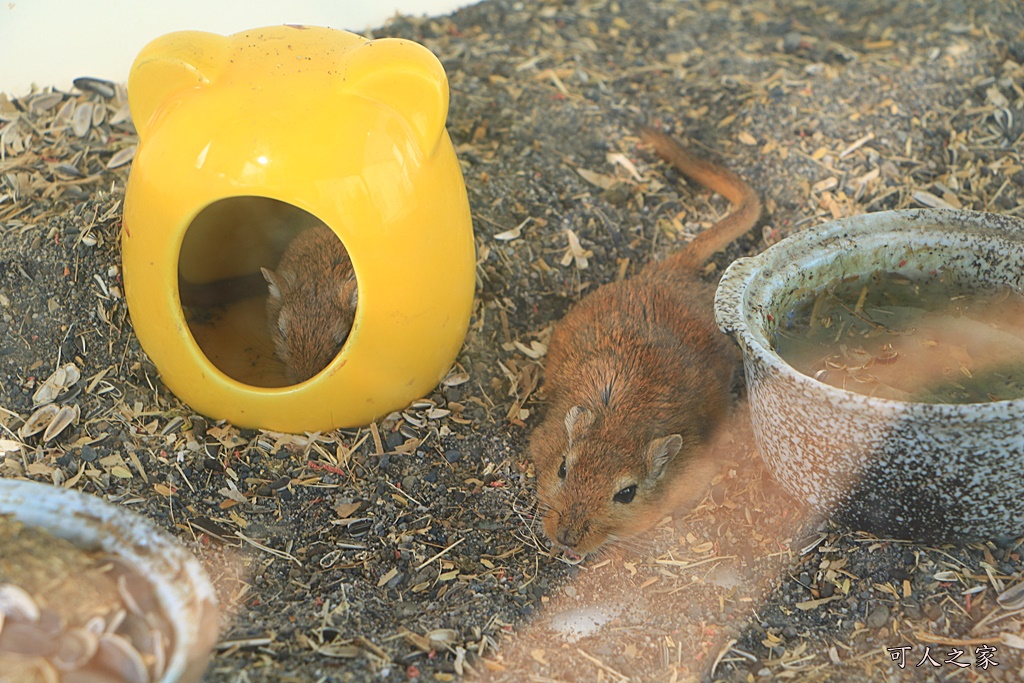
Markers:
<point>626,495</point>
<point>561,471</point>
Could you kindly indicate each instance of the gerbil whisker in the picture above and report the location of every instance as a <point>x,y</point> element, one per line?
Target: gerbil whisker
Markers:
<point>525,507</point>
<point>531,516</point>
<point>634,545</point>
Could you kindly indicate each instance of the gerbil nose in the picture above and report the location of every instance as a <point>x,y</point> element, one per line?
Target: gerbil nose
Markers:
<point>572,531</point>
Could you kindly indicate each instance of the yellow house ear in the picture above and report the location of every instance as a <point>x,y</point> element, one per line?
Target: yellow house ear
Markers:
<point>406,77</point>
<point>172,62</point>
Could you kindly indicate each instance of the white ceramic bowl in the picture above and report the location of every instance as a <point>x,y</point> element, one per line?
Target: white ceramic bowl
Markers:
<point>183,590</point>
<point>906,470</point>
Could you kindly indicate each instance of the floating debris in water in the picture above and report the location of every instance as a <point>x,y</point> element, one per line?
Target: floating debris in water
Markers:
<point>928,340</point>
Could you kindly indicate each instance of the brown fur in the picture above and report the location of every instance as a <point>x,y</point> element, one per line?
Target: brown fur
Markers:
<point>312,302</point>
<point>638,379</point>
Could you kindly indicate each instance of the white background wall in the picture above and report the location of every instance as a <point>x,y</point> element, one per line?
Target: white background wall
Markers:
<point>51,42</point>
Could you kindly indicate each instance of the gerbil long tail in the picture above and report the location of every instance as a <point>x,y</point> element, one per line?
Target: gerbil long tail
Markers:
<point>746,204</point>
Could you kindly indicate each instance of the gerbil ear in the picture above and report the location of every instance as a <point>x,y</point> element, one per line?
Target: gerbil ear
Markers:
<point>272,286</point>
<point>577,420</point>
<point>349,293</point>
<point>660,453</point>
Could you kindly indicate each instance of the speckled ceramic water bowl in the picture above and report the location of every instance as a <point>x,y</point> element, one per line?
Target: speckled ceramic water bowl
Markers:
<point>919,471</point>
<point>181,587</point>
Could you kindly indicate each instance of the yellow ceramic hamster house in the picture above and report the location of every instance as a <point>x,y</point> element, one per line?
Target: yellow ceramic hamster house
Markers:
<point>245,140</point>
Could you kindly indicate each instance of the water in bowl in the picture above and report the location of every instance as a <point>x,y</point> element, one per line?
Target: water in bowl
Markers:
<point>926,340</point>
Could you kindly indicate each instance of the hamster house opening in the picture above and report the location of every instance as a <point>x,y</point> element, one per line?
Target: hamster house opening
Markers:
<point>267,290</point>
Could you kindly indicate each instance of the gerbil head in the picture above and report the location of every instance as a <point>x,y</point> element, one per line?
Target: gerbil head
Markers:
<point>309,319</point>
<point>598,482</point>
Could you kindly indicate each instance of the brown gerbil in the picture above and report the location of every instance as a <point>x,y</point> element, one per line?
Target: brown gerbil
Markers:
<point>312,302</point>
<point>638,378</point>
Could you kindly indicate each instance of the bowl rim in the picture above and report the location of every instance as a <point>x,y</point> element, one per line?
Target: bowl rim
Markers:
<point>734,308</point>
